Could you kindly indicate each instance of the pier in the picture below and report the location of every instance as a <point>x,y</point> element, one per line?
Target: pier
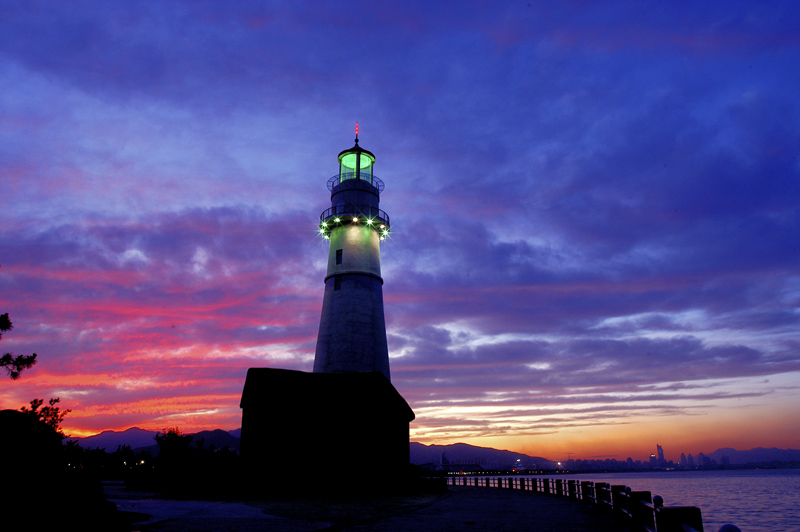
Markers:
<point>474,504</point>
<point>457,509</point>
<point>636,511</point>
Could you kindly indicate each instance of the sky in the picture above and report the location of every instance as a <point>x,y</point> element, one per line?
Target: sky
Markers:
<point>595,212</point>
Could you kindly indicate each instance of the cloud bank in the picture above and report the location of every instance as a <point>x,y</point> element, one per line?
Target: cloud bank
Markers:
<point>595,211</point>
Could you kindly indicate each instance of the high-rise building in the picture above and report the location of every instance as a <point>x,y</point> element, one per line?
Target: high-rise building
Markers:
<point>660,453</point>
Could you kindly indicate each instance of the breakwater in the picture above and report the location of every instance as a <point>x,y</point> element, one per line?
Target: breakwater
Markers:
<point>639,510</point>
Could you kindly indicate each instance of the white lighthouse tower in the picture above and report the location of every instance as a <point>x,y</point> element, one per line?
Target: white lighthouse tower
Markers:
<point>346,411</point>
<point>352,330</point>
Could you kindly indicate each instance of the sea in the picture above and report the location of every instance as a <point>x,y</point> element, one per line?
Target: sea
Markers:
<point>755,500</point>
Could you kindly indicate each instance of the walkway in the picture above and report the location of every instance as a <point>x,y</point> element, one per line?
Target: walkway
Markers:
<point>495,510</point>
<point>461,509</point>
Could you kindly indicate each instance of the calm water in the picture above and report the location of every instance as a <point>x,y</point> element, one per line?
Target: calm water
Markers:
<point>753,500</point>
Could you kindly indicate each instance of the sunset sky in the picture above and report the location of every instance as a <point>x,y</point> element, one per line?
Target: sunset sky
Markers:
<point>595,210</point>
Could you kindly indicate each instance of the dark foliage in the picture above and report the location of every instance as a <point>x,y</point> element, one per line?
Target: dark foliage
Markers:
<point>49,414</point>
<point>14,365</point>
<point>36,464</point>
<point>185,467</point>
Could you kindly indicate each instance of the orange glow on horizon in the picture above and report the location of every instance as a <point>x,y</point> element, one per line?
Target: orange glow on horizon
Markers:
<point>676,434</point>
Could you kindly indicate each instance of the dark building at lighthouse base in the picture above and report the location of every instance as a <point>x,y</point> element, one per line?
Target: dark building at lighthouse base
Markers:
<point>311,431</point>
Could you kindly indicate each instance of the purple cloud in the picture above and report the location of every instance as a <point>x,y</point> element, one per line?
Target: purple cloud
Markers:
<point>591,204</point>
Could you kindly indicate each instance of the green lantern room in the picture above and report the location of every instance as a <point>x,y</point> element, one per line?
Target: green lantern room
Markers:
<point>356,163</point>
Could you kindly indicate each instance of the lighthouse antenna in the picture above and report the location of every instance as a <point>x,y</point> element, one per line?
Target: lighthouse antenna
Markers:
<point>356,132</point>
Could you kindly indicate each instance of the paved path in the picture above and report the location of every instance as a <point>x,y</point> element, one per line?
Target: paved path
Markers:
<point>469,509</point>
<point>196,516</point>
<point>462,509</point>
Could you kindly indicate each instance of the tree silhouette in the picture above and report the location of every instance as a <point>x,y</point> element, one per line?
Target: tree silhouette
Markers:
<point>173,444</point>
<point>50,414</point>
<point>13,365</point>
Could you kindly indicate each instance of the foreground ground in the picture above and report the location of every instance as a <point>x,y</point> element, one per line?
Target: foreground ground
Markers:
<point>460,509</point>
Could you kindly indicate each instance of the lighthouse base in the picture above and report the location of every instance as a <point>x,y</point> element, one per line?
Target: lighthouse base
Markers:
<point>323,431</point>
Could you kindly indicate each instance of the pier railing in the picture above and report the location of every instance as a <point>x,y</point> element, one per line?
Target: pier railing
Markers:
<point>641,512</point>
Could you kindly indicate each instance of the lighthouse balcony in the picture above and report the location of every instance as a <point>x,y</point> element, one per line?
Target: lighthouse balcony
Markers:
<point>362,180</point>
<point>366,215</point>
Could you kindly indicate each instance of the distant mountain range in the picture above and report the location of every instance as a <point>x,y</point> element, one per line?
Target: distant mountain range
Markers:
<point>139,439</point>
<point>757,455</point>
<point>462,453</point>
<point>110,440</point>
<point>455,454</point>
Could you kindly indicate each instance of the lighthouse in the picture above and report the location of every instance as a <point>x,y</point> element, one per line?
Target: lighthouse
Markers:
<point>345,416</point>
<point>352,329</point>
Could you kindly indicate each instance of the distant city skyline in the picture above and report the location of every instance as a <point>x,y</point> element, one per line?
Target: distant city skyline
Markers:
<point>594,212</point>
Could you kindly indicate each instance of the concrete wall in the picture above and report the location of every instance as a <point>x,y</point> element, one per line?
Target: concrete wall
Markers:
<point>361,252</point>
<point>352,329</point>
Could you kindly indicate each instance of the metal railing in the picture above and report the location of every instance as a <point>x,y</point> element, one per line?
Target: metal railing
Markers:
<point>373,180</point>
<point>642,512</point>
<point>373,213</point>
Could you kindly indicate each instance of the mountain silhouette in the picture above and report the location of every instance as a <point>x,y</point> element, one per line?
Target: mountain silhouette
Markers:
<point>465,454</point>
<point>110,439</point>
<point>454,454</point>
<point>756,456</point>
<point>138,438</point>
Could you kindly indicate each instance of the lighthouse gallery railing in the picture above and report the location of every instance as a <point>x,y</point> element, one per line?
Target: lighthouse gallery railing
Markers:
<point>371,179</point>
<point>354,210</point>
